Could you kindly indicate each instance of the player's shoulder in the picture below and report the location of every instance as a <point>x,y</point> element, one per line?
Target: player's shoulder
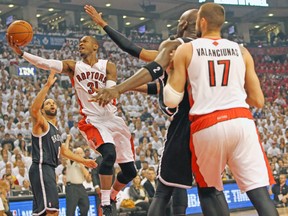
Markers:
<point>169,43</point>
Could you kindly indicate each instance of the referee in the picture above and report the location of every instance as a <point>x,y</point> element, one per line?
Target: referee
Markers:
<point>76,194</point>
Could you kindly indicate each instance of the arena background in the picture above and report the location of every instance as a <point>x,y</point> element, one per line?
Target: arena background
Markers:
<point>260,25</point>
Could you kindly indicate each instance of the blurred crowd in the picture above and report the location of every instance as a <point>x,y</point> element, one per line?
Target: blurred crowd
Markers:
<point>147,124</point>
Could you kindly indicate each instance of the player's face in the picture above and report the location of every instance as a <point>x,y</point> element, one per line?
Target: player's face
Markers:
<point>50,107</point>
<point>87,46</point>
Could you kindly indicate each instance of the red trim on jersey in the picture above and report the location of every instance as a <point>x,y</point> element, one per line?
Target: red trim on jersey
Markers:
<point>195,167</point>
<point>93,135</point>
<point>200,122</point>
<point>72,81</point>
<point>270,174</point>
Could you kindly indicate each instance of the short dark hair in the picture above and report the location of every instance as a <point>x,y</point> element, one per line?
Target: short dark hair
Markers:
<point>214,15</point>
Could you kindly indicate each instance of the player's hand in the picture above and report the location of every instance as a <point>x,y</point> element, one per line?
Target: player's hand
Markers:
<point>95,16</point>
<point>89,163</point>
<point>51,79</point>
<point>13,45</point>
<point>164,57</point>
<point>69,137</point>
<point>105,95</point>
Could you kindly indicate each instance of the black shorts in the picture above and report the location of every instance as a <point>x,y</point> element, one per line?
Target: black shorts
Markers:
<point>44,188</point>
<point>175,165</point>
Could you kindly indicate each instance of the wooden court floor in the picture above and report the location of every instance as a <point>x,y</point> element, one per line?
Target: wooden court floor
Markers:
<point>282,212</point>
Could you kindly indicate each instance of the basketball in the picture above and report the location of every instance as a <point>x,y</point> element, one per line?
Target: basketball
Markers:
<point>21,31</point>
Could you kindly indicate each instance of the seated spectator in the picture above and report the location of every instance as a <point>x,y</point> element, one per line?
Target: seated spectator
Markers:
<point>138,194</point>
<point>280,191</point>
<point>150,184</point>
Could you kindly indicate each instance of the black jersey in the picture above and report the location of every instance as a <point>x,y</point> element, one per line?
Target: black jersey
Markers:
<point>45,148</point>
<point>175,163</point>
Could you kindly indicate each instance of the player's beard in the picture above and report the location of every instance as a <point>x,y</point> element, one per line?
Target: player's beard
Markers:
<point>49,113</point>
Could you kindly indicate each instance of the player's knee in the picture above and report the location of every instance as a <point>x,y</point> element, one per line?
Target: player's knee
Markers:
<point>207,191</point>
<point>109,157</point>
<point>128,172</point>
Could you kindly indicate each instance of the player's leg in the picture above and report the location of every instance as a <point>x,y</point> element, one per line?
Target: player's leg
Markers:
<point>51,192</point>
<point>125,156</point>
<point>250,167</point>
<point>213,202</point>
<point>128,173</point>
<point>179,201</point>
<point>264,206</point>
<point>107,150</point>
<point>208,162</point>
<point>160,200</point>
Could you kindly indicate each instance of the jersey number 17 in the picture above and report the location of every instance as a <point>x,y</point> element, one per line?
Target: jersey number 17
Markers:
<point>226,70</point>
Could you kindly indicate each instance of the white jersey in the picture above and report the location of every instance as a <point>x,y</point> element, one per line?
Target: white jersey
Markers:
<point>217,76</point>
<point>85,78</point>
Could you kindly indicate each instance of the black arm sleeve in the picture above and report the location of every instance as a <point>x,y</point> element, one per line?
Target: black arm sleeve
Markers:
<point>123,42</point>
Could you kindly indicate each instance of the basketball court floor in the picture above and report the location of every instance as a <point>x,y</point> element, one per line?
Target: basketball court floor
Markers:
<point>282,212</point>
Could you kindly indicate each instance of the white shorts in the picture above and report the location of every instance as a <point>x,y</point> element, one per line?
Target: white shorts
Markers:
<point>110,129</point>
<point>234,142</point>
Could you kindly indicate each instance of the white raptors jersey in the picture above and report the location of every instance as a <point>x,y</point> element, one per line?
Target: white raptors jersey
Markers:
<point>85,78</point>
<point>216,74</point>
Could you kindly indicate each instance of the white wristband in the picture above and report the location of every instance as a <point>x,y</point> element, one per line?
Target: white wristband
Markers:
<point>171,97</point>
<point>110,83</point>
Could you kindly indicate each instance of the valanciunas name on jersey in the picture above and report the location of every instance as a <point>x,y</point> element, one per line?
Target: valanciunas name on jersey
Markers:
<point>217,52</point>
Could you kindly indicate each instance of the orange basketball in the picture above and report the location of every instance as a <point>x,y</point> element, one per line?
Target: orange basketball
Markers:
<point>21,31</point>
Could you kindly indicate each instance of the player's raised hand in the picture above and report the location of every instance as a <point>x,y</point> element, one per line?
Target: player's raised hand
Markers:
<point>95,16</point>
<point>51,78</point>
<point>105,95</point>
<point>13,44</point>
<point>90,163</point>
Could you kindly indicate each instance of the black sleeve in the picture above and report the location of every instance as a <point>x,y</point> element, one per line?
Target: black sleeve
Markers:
<point>123,42</point>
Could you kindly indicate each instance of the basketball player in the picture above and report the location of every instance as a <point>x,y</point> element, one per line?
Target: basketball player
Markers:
<point>46,143</point>
<point>224,83</point>
<point>173,175</point>
<point>102,129</point>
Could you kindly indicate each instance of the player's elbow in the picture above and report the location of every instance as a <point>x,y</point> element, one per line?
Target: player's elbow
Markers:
<point>256,101</point>
<point>171,97</point>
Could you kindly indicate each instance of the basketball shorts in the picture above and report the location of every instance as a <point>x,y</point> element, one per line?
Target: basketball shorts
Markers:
<point>108,129</point>
<point>175,163</point>
<point>227,138</point>
<point>44,188</point>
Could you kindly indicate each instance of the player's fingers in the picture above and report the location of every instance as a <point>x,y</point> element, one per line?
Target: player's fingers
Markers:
<point>95,89</point>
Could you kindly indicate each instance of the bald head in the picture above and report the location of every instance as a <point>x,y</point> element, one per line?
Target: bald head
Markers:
<point>187,24</point>
<point>190,15</point>
<point>79,151</point>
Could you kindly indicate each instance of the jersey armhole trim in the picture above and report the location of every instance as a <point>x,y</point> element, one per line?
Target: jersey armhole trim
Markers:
<point>43,134</point>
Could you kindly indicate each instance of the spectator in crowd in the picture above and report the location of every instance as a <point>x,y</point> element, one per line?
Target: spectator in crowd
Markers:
<point>139,194</point>
<point>280,192</point>
<point>150,184</point>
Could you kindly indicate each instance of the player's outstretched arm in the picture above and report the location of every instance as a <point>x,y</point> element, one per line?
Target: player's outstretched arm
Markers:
<point>66,152</point>
<point>39,123</point>
<point>66,67</point>
<point>255,96</point>
<point>146,74</point>
<point>124,43</point>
